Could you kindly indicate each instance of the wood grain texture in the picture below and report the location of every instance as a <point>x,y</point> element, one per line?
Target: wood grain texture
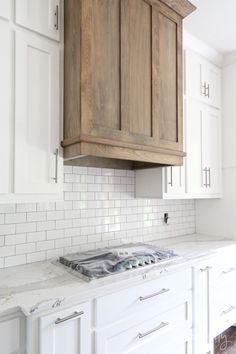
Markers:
<point>124,153</point>
<point>168,124</point>
<point>123,79</point>
<point>106,63</point>
<point>72,79</point>
<point>181,7</point>
<point>86,65</point>
<point>110,142</point>
<point>136,67</point>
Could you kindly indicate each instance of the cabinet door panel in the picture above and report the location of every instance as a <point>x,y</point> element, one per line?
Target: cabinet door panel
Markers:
<point>211,75</point>
<point>168,125</point>
<point>195,173</point>
<point>175,180</point>
<point>5,87</point>
<point>106,92</point>
<point>39,15</point>
<point>37,116</point>
<point>71,336</point>
<point>12,334</point>
<point>211,148</point>
<point>136,67</point>
<point>5,9</point>
<point>202,309</point>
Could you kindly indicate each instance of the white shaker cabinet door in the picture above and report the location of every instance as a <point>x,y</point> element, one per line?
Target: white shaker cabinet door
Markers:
<point>67,331</point>
<point>175,181</point>
<point>5,9</point>
<point>42,16</point>
<point>211,149</point>
<point>12,334</point>
<point>38,165</point>
<point>5,87</point>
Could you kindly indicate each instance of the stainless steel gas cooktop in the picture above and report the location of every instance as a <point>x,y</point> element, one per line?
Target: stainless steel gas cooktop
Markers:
<point>100,263</point>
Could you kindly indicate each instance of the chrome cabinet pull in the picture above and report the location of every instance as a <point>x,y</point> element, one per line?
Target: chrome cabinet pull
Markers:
<point>56,166</point>
<point>162,325</point>
<point>205,269</point>
<point>162,291</point>
<point>231,308</point>
<point>205,173</point>
<point>171,177</point>
<point>209,171</point>
<point>56,17</point>
<point>208,91</point>
<point>64,319</point>
<point>228,271</point>
<point>204,87</point>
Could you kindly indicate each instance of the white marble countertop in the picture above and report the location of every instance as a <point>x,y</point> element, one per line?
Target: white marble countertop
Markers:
<point>41,286</point>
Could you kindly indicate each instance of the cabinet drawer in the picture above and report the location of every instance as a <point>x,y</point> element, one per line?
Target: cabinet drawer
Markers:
<point>224,272</point>
<point>224,310</point>
<point>140,336</point>
<point>164,293</point>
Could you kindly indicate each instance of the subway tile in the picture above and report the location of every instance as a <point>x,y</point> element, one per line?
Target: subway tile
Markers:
<point>36,257</point>
<point>45,245</point>
<point>15,239</point>
<point>25,248</point>
<point>99,210</point>
<point>15,260</point>
<point>15,218</point>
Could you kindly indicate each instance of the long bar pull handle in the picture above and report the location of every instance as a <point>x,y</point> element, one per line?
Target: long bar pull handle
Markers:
<point>64,319</point>
<point>204,87</point>
<point>171,177</point>
<point>56,16</point>
<point>162,325</point>
<point>205,269</point>
<point>208,91</point>
<point>205,177</point>
<point>56,166</point>
<point>231,308</point>
<point>162,291</point>
<point>209,171</point>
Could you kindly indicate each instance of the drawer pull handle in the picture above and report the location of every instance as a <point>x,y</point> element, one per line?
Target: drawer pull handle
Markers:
<point>231,308</point>
<point>74,315</point>
<point>162,291</point>
<point>162,325</point>
<point>228,271</point>
<point>205,269</point>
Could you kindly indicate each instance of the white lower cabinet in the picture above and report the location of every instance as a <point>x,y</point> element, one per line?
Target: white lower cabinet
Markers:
<point>66,331</point>
<point>138,336</point>
<point>12,334</point>
<point>202,308</point>
<point>178,313</point>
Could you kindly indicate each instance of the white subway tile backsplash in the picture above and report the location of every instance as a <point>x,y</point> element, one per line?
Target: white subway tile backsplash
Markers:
<point>99,210</point>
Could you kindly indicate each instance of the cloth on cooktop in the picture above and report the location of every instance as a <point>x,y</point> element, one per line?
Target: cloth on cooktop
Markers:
<point>103,262</point>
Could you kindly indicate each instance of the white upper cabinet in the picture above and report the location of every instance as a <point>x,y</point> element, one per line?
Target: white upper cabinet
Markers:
<point>37,96</point>
<point>42,16</point>
<point>203,147</point>
<point>67,331</point>
<point>5,103</point>
<point>211,156</point>
<point>202,79</point>
<point>5,9</point>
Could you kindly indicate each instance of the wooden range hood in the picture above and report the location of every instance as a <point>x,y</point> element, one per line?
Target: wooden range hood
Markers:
<point>123,82</point>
